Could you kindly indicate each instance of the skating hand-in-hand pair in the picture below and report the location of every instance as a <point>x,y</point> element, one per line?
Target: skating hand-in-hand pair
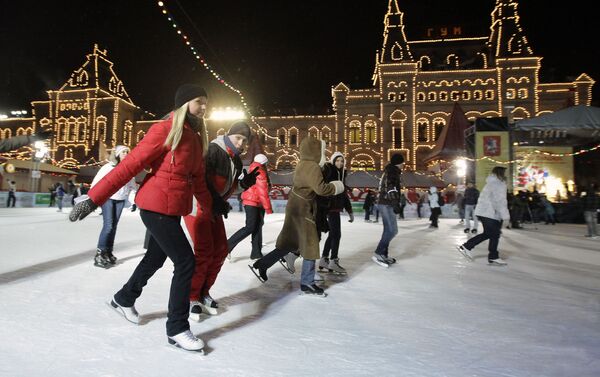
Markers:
<point>219,205</point>
<point>351,215</point>
<point>249,179</point>
<point>82,208</point>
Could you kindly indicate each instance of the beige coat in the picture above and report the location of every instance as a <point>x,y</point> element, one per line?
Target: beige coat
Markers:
<point>299,232</point>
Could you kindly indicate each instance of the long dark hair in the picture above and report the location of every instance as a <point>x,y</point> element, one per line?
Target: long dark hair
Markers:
<point>500,173</point>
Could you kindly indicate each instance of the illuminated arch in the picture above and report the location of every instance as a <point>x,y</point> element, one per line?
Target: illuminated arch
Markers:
<point>286,161</point>
<point>326,134</point>
<point>398,116</point>
<point>362,161</point>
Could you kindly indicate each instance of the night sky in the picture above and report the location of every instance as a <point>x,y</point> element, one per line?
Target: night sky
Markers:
<point>282,54</point>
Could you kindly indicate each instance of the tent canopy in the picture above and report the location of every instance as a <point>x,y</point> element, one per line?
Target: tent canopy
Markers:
<point>578,120</point>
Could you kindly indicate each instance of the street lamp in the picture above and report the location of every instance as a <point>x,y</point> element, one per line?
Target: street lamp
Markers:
<point>41,150</point>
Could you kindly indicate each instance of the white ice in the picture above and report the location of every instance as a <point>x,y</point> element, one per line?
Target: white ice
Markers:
<point>432,314</point>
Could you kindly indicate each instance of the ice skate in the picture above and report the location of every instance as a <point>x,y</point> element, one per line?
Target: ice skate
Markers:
<point>380,260</point>
<point>390,260</point>
<point>288,262</point>
<point>128,312</point>
<point>260,274</point>
<point>497,262</point>
<point>323,264</point>
<point>209,305</point>
<point>466,252</point>
<point>187,341</point>
<point>195,311</point>
<point>101,259</point>
<point>312,290</point>
<point>334,266</point>
<point>111,258</point>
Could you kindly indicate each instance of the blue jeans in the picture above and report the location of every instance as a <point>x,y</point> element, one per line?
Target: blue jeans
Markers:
<point>390,228</point>
<point>308,272</point>
<point>470,214</point>
<point>111,212</point>
<point>591,220</point>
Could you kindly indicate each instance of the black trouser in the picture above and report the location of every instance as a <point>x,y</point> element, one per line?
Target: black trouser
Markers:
<point>491,231</point>
<point>435,213</point>
<point>167,239</point>
<point>335,234</point>
<point>11,198</point>
<point>270,259</point>
<point>254,222</point>
<point>401,214</point>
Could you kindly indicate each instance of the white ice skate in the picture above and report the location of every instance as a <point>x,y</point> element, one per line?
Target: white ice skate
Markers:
<point>334,266</point>
<point>466,252</point>
<point>129,313</point>
<point>288,262</point>
<point>380,260</point>
<point>497,262</point>
<point>318,276</point>
<point>187,341</point>
<point>324,263</point>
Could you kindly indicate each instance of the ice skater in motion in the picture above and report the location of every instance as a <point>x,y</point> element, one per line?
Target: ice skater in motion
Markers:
<point>174,150</point>
<point>491,210</point>
<point>299,230</point>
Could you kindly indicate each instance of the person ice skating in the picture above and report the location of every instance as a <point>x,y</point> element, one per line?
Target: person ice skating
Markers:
<point>111,209</point>
<point>12,199</point>
<point>223,174</point>
<point>335,171</point>
<point>389,206</point>
<point>368,205</point>
<point>174,150</point>
<point>459,201</point>
<point>471,197</point>
<point>549,210</point>
<point>491,210</point>
<point>60,195</point>
<point>299,232</point>
<point>435,204</point>
<point>256,202</point>
<point>591,205</point>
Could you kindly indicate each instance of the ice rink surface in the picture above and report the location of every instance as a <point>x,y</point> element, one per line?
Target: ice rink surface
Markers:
<point>432,314</point>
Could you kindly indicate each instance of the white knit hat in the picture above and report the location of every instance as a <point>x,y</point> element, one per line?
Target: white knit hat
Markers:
<point>261,159</point>
<point>120,148</point>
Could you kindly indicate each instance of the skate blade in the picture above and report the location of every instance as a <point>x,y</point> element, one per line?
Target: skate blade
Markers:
<point>176,345</point>
<point>313,295</point>
<point>495,264</point>
<point>286,267</point>
<point>195,317</point>
<point>380,263</point>
<point>256,274</point>
<point>120,312</point>
<point>464,254</point>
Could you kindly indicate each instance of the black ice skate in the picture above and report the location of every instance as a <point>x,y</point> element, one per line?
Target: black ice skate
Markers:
<point>259,273</point>
<point>312,290</point>
<point>101,259</point>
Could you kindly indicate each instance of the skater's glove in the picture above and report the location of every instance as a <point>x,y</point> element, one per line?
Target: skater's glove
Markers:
<point>248,179</point>
<point>82,209</point>
<point>219,205</point>
<point>351,220</point>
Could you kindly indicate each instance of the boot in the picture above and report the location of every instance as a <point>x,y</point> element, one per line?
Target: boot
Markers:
<point>324,263</point>
<point>101,259</point>
<point>128,312</point>
<point>334,266</point>
<point>187,341</point>
<point>209,305</point>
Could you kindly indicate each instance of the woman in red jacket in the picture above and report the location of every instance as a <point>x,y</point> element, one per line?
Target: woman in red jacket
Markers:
<point>256,203</point>
<point>174,150</point>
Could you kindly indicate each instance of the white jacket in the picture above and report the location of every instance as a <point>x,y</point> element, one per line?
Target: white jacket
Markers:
<point>124,191</point>
<point>492,200</point>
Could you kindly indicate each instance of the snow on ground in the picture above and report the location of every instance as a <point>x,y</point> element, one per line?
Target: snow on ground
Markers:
<point>431,314</point>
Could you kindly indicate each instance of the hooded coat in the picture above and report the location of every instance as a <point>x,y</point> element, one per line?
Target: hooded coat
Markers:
<point>331,173</point>
<point>299,230</point>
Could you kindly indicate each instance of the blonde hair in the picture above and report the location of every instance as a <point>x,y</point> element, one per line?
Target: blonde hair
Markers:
<point>174,136</point>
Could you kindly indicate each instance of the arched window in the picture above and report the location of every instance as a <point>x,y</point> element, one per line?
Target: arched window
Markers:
<point>61,134</point>
<point>101,128</point>
<point>281,137</point>
<point>370,131</point>
<point>313,132</point>
<point>82,127</point>
<point>326,134</point>
<point>421,97</point>
<point>438,127</point>
<point>140,135</point>
<point>477,95</point>
<point>422,126</point>
<point>355,137</point>
<point>432,96</point>
<point>523,93</point>
<point>392,97</point>
<point>362,162</point>
<point>489,94</point>
<point>455,95</point>
<point>443,96</point>
<point>293,137</point>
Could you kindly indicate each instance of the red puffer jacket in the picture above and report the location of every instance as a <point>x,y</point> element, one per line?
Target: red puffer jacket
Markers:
<point>174,179</point>
<point>258,194</point>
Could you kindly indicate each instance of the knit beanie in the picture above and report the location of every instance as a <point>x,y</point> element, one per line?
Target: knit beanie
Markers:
<point>188,92</point>
<point>261,159</point>
<point>240,128</point>
<point>397,159</point>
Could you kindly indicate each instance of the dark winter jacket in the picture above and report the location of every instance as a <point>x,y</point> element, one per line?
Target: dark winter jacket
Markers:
<point>471,196</point>
<point>338,202</point>
<point>369,201</point>
<point>223,168</point>
<point>590,202</point>
<point>390,182</point>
